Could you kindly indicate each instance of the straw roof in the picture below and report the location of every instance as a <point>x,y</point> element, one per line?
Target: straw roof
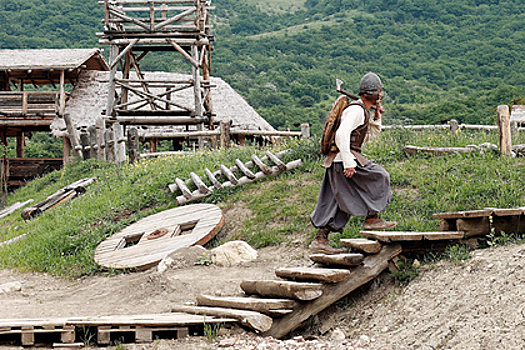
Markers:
<point>45,59</point>
<point>518,114</point>
<point>88,100</point>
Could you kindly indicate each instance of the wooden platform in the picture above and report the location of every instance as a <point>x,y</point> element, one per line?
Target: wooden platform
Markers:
<point>104,329</point>
<point>145,243</point>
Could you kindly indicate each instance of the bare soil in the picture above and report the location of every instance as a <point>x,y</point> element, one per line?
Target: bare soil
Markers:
<point>479,304</point>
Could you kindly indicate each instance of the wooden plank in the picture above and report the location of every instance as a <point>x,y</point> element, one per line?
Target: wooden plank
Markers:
<point>464,214</point>
<point>372,266</point>
<point>263,305</point>
<point>28,335</point>
<point>361,244</point>
<point>313,274</point>
<point>344,259</point>
<point>283,289</point>
<point>395,236</point>
<point>508,212</point>
<point>252,319</point>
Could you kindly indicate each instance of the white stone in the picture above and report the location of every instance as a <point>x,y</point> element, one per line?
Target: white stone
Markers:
<point>337,335</point>
<point>233,253</point>
<point>363,341</point>
<point>11,287</point>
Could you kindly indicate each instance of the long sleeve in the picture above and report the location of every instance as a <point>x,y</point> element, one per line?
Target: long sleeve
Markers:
<point>352,117</point>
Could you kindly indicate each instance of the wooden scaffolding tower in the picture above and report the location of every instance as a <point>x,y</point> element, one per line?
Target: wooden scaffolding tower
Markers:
<point>134,28</point>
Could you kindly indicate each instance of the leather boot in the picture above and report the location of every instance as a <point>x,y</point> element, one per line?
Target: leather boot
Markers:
<point>320,243</point>
<point>375,223</point>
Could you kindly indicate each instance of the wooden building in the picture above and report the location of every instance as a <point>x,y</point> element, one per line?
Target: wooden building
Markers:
<point>34,88</point>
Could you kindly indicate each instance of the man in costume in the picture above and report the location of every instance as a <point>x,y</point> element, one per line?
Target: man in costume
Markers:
<point>353,185</point>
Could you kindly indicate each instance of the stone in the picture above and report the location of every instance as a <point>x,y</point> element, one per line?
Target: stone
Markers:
<point>183,258</point>
<point>233,253</point>
<point>337,335</point>
<point>11,287</point>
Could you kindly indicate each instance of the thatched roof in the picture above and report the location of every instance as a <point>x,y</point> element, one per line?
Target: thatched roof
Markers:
<point>43,66</point>
<point>88,101</point>
<point>518,114</point>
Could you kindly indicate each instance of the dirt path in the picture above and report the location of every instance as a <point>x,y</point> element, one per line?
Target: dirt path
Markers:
<point>476,305</point>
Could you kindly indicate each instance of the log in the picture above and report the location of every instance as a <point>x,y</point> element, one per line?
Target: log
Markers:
<point>249,174</point>
<point>279,163</point>
<point>313,274</point>
<point>212,178</point>
<point>362,244</point>
<point>372,266</point>
<point>264,168</point>
<point>266,306</point>
<point>251,319</point>
<point>437,151</point>
<point>345,259</point>
<point>199,183</point>
<point>13,207</point>
<point>229,174</point>
<point>183,188</point>
<point>283,289</point>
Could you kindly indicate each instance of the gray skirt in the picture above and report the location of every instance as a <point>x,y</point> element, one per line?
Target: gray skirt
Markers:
<point>367,192</point>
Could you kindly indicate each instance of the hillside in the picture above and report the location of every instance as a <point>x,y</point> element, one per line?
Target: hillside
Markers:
<point>439,59</point>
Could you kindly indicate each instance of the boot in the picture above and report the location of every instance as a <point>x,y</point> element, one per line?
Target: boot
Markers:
<point>320,243</point>
<point>375,223</point>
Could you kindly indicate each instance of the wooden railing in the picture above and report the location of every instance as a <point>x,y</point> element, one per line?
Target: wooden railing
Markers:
<point>29,103</point>
<point>155,15</point>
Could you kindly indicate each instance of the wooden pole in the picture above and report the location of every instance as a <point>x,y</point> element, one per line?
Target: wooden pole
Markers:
<point>20,145</point>
<point>305,130</point>
<point>225,134</point>
<point>120,143</point>
<point>454,126</point>
<point>133,145</point>
<point>62,104</point>
<point>113,53</point>
<point>504,132</point>
<point>66,150</point>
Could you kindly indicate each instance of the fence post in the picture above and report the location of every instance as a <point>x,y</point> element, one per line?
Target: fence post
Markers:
<point>84,143</point>
<point>454,126</point>
<point>92,130</point>
<point>505,142</point>
<point>133,145</point>
<point>305,130</point>
<point>225,134</point>
<point>120,143</point>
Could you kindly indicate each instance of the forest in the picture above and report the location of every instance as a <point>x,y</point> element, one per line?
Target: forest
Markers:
<point>438,59</point>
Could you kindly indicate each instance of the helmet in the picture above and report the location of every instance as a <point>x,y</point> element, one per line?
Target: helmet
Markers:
<point>370,83</point>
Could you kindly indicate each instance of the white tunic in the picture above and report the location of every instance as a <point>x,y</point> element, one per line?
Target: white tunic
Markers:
<point>353,117</point>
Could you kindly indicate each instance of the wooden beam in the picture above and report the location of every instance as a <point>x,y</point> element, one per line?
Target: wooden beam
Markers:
<point>362,244</point>
<point>344,259</point>
<point>504,132</point>
<point>266,306</point>
<point>283,289</point>
<point>313,274</point>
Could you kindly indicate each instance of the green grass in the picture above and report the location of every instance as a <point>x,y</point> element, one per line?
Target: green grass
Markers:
<point>63,239</point>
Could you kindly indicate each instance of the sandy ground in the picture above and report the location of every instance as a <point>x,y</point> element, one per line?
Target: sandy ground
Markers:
<point>476,305</point>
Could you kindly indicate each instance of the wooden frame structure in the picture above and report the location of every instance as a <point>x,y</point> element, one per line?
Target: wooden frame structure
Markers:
<point>134,28</point>
<point>47,73</point>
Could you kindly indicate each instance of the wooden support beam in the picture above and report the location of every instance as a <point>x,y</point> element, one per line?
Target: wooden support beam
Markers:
<point>212,178</point>
<point>372,266</point>
<point>264,168</point>
<point>247,172</point>
<point>199,183</point>
<point>229,174</point>
<point>279,163</point>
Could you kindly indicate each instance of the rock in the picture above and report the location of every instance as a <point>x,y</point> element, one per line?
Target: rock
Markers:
<point>11,287</point>
<point>337,335</point>
<point>182,258</point>
<point>363,341</point>
<point>233,253</point>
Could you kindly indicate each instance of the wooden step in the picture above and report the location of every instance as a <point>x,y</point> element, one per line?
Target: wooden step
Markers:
<point>252,319</point>
<point>283,289</point>
<point>464,214</point>
<point>272,307</point>
<point>313,274</point>
<point>396,236</point>
<point>344,259</point>
<point>361,244</point>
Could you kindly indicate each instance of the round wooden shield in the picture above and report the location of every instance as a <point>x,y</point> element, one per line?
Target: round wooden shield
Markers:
<point>145,243</point>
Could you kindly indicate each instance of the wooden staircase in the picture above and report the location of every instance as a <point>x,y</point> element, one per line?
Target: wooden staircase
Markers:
<point>277,307</point>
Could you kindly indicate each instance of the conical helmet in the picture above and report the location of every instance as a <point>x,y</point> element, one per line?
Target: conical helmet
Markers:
<point>370,82</point>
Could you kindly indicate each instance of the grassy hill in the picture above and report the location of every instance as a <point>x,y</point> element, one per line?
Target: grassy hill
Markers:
<point>62,240</point>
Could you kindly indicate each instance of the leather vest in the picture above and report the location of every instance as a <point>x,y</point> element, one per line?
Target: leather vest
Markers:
<point>357,137</point>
